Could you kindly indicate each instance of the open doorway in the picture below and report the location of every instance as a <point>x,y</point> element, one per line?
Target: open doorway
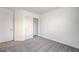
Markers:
<point>35,26</point>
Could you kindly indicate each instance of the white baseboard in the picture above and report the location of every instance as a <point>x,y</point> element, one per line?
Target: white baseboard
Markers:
<point>72,45</point>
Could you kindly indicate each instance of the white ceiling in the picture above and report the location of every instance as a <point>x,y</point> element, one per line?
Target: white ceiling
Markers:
<point>38,10</point>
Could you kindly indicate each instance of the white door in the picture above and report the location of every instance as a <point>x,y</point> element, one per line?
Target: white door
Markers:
<point>28,27</point>
<point>6,26</point>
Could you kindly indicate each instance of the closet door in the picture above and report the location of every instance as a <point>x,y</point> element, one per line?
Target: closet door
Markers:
<point>28,27</point>
<point>6,25</point>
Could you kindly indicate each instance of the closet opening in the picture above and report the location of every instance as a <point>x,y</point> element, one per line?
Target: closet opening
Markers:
<point>35,27</point>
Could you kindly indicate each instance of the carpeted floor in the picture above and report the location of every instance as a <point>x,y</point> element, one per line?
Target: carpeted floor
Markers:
<point>37,44</point>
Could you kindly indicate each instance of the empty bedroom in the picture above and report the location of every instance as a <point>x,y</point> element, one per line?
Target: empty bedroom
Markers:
<point>39,29</point>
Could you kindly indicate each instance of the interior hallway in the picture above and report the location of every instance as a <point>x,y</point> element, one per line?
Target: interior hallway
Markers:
<point>37,44</point>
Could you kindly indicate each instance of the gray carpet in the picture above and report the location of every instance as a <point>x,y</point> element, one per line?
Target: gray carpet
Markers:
<point>37,44</point>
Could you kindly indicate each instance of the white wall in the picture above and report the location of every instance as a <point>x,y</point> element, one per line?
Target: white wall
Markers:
<point>23,24</point>
<point>6,25</point>
<point>18,26</point>
<point>61,25</point>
